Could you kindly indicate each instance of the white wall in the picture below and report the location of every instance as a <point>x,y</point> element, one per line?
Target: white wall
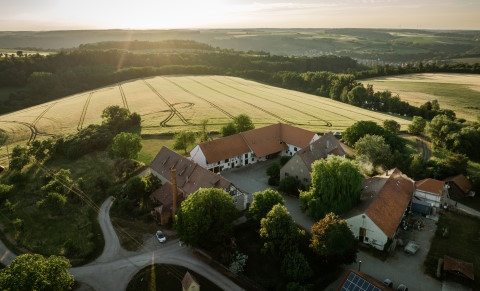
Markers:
<point>433,199</point>
<point>374,234</point>
<point>198,157</point>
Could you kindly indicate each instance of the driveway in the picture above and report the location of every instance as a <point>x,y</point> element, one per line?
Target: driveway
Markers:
<point>398,267</point>
<point>251,178</point>
<point>116,267</point>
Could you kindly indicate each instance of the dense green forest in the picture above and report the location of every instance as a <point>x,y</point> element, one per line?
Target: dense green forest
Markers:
<point>370,46</point>
<point>34,79</point>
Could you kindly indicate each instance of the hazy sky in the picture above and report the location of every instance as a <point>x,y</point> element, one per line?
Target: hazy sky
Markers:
<point>144,14</point>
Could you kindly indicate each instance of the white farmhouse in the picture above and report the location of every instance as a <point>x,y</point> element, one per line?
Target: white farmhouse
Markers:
<point>383,207</point>
<point>431,191</point>
<point>251,146</point>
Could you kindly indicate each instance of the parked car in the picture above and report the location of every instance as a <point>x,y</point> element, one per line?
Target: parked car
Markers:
<point>402,287</point>
<point>387,282</point>
<point>411,248</point>
<point>160,236</point>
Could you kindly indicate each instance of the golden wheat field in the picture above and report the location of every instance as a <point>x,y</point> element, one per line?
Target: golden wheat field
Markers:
<point>458,92</point>
<point>174,103</point>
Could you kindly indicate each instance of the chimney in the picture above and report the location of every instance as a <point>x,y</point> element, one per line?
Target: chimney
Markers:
<point>174,192</point>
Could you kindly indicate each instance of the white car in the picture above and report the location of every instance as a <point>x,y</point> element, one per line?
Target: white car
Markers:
<point>411,248</point>
<point>160,236</point>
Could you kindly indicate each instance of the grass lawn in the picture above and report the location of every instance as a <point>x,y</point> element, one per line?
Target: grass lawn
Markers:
<point>166,277</point>
<point>462,242</point>
<point>151,145</point>
<point>132,231</point>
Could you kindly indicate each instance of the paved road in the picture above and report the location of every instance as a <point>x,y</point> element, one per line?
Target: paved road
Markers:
<point>6,256</point>
<point>463,208</point>
<point>116,267</point>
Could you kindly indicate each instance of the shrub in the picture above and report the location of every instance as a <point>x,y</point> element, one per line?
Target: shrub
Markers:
<point>290,185</point>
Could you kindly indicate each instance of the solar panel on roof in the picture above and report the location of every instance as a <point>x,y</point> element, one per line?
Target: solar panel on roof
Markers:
<point>357,283</point>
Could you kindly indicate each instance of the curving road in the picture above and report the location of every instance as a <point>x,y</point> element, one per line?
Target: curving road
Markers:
<point>116,267</point>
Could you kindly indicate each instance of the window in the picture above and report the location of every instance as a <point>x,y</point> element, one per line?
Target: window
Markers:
<point>295,149</point>
<point>246,156</point>
<point>226,160</point>
<point>286,174</point>
<point>305,180</point>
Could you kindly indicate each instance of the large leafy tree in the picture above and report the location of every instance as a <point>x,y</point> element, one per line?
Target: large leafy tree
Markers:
<point>183,140</point>
<point>205,218</point>
<point>243,123</point>
<point>417,126</point>
<point>228,129</point>
<point>119,119</point>
<point>336,185</point>
<point>20,158</point>
<point>279,232</point>
<point>262,203</point>
<point>35,272</point>
<point>374,149</point>
<point>333,240</point>
<point>295,266</point>
<point>126,145</point>
<point>360,129</point>
<point>391,126</point>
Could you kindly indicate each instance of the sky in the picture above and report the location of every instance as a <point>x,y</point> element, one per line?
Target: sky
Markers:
<point>160,14</point>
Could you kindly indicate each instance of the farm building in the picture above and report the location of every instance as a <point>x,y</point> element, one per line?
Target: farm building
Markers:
<point>460,186</point>
<point>300,165</point>
<point>382,209</point>
<point>458,271</point>
<point>431,191</point>
<point>181,177</point>
<point>251,146</point>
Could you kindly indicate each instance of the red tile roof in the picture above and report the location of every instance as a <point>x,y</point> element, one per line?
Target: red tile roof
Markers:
<point>462,182</point>
<point>262,141</point>
<point>451,264</point>
<point>295,136</point>
<point>164,195</point>
<point>265,141</point>
<point>224,148</point>
<point>388,207</point>
<point>430,185</point>
<point>190,176</point>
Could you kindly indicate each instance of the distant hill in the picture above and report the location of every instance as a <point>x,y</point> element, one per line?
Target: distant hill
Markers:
<point>367,45</point>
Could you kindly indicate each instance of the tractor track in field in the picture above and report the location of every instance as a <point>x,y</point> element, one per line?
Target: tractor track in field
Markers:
<point>188,105</point>
<point>248,103</point>
<point>173,110</point>
<point>36,120</point>
<point>287,91</point>
<point>284,97</point>
<point>201,98</point>
<point>84,111</point>
<point>124,98</point>
<point>31,127</point>
<point>327,123</point>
